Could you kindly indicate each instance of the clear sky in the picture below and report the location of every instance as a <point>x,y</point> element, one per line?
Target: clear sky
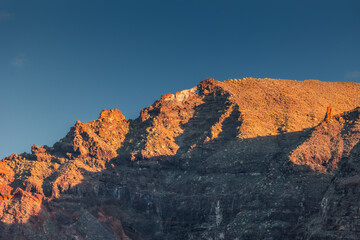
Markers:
<point>64,60</point>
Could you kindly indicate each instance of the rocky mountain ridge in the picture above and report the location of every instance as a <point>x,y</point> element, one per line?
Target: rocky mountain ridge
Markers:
<point>239,159</point>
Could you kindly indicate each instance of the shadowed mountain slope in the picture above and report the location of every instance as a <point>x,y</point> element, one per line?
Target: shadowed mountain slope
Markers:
<point>239,159</point>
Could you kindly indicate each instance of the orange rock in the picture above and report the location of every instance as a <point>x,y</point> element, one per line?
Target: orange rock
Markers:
<point>328,114</point>
<point>5,191</point>
<point>111,115</point>
<point>6,173</point>
<point>168,96</point>
<point>40,153</point>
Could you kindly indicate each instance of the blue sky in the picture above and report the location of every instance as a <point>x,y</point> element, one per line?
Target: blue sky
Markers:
<point>66,60</point>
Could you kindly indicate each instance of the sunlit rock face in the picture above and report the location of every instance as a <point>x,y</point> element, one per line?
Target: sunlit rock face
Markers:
<point>239,159</point>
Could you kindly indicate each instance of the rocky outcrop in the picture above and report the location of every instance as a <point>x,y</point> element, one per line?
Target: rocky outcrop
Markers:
<point>329,114</point>
<point>330,141</point>
<point>339,216</point>
<point>239,159</point>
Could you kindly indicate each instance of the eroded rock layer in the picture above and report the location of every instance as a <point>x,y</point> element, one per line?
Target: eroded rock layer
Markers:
<point>239,159</point>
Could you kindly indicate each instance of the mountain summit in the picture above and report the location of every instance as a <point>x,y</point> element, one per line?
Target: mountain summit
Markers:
<point>238,159</point>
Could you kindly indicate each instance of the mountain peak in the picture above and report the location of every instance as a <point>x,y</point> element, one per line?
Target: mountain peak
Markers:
<point>111,115</point>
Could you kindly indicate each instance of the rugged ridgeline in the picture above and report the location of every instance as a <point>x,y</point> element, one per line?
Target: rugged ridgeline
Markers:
<point>239,159</point>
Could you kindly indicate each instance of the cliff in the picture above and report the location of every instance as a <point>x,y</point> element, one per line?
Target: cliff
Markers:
<point>239,159</point>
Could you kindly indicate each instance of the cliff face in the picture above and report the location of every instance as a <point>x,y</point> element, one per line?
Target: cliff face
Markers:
<point>239,159</point>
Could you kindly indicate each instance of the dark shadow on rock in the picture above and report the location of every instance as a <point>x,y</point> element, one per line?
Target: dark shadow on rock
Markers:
<point>199,126</point>
<point>248,183</point>
<point>336,218</point>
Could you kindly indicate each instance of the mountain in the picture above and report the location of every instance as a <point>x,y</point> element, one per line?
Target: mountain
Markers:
<point>239,159</point>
